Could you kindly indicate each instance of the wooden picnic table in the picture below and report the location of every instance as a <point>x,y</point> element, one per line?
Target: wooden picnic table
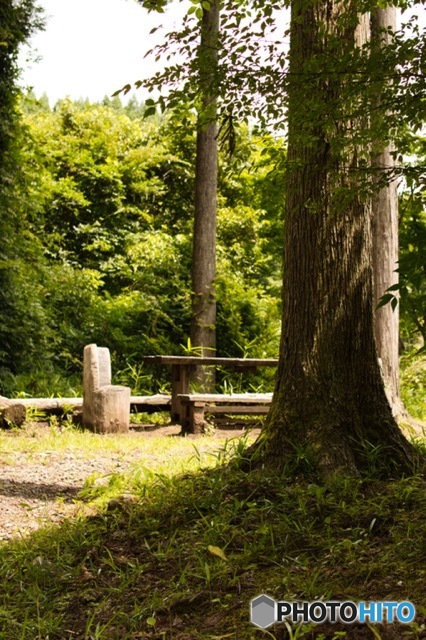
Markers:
<point>182,366</point>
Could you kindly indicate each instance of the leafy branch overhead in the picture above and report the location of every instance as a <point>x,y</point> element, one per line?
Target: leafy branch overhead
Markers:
<point>253,78</point>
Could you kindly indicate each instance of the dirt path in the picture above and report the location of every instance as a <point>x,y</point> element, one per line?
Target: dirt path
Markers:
<point>37,487</point>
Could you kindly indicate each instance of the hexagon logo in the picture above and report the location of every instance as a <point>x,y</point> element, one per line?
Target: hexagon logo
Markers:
<point>263,611</point>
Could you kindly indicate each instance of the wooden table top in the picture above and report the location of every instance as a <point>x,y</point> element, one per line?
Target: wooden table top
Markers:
<point>196,360</point>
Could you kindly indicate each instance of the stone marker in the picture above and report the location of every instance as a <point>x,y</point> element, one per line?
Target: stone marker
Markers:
<point>106,407</point>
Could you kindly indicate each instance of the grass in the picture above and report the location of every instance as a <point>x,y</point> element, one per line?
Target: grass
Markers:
<point>183,557</point>
<point>162,455</point>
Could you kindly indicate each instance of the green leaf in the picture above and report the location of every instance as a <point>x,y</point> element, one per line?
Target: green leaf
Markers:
<point>385,299</point>
<point>151,111</point>
<point>124,90</point>
<point>394,287</point>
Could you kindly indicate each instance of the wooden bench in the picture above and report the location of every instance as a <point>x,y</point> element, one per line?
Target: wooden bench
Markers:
<point>196,405</point>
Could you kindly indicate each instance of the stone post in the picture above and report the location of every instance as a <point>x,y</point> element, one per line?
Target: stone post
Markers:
<point>106,407</point>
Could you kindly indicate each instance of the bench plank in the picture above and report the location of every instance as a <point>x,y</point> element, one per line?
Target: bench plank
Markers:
<point>237,408</point>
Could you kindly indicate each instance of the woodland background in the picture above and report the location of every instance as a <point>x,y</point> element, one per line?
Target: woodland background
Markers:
<point>96,247</point>
<point>96,223</point>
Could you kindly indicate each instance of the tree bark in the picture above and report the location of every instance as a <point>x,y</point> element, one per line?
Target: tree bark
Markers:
<point>385,237</point>
<point>329,411</point>
<point>203,312</point>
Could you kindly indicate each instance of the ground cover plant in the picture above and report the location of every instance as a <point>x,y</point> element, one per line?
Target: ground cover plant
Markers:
<point>181,555</point>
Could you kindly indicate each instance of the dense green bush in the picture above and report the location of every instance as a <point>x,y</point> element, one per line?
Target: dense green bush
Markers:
<point>109,233</point>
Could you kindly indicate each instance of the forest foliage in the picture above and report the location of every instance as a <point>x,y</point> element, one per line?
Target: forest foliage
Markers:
<point>101,243</point>
<point>96,213</point>
<point>102,246</point>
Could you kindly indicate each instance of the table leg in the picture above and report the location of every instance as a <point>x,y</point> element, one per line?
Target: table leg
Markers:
<point>180,384</point>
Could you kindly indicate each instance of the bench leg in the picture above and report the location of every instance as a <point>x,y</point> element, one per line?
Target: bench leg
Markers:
<point>194,418</point>
<point>180,384</point>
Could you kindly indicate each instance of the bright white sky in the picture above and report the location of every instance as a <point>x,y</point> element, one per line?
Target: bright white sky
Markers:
<point>90,48</point>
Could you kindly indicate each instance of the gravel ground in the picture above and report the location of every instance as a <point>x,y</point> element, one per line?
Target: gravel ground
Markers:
<point>41,487</point>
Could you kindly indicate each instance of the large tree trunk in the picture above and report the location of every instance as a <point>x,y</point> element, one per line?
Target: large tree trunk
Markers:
<point>203,313</point>
<point>385,237</point>
<point>329,410</point>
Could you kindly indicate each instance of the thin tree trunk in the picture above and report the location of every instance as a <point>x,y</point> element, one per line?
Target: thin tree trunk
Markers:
<point>385,237</point>
<point>329,412</point>
<point>203,321</point>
